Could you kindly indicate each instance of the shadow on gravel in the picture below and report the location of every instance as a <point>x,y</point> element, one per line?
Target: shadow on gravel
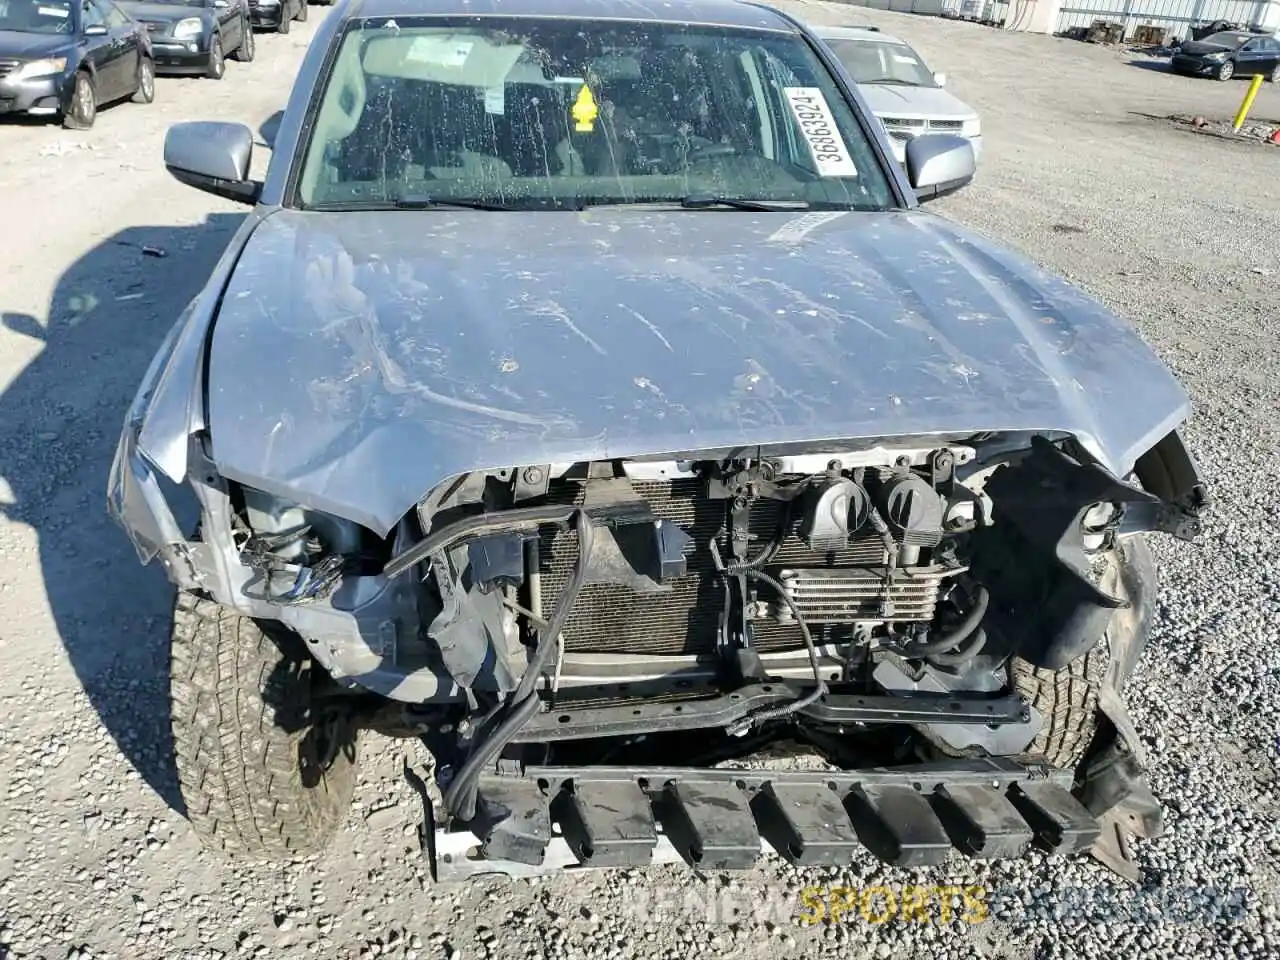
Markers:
<point>1156,66</point>
<point>59,423</point>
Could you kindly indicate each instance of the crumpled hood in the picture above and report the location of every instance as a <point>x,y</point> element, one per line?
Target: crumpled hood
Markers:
<point>32,46</point>
<point>933,103</point>
<point>359,359</point>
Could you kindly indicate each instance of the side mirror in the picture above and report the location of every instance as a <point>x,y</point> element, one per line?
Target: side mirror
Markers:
<point>213,157</point>
<point>938,164</point>
<point>95,30</point>
<point>940,79</point>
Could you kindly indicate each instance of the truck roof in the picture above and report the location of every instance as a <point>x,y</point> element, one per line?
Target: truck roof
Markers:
<point>729,13</point>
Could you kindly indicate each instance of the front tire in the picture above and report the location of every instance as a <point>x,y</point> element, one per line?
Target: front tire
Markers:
<point>1067,699</point>
<point>146,91</point>
<point>83,109</point>
<point>1226,71</point>
<point>217,67</point>
<point>258,777</point>
<point>246,51</point>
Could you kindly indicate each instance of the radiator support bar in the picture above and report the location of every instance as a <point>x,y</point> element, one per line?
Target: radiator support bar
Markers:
<point>837,709</point>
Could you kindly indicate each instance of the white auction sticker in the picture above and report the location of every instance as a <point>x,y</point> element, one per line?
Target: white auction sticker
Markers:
<point>818,127</point>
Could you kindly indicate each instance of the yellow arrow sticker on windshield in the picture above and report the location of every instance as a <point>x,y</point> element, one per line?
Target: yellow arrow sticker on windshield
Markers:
<point>585,111</point>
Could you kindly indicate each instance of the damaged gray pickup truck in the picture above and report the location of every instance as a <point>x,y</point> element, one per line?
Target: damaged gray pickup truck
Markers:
<point>586,395</point>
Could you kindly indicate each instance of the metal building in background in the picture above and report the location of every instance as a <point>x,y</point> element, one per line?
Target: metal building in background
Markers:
<point>1066,16</point>
<point>1176,16</point>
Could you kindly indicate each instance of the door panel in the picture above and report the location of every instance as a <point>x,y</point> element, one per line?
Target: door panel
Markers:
<point>98,50</point>
<point>124,38</point>
<point>1270,58</point>
<point>1249,59</point>
<point>229,22</point>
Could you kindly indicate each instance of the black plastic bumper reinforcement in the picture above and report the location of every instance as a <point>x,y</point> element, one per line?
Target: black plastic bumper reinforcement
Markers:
<point>834,708</point>
<point>551,818</point>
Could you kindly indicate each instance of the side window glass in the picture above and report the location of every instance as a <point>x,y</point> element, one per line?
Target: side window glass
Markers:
<point>92,14</point>
<point>111,14</point>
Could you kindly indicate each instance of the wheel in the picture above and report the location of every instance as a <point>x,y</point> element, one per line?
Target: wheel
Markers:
<point>83,109</point>
<point>1275,75</point>
<point>1067,699</point>
<point>146,89</point>
<point>1226,71</point>
<point>245,52</point>
<point>217,60</point>
<point>286,20</point>
<point>259,777</point>
<point>303,7</point>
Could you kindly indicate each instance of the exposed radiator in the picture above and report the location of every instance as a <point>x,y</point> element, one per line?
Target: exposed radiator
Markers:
<point>860,593</point>
<point>612,619</point>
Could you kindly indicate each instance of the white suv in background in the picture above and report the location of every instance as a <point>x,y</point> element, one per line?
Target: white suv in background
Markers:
<point>901,91</point>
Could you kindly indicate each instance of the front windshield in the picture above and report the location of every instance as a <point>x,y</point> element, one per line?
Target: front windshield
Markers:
<point>875,61</point>
<point>534,113</point>
<point>1232,40</point>
<point>35,16</point>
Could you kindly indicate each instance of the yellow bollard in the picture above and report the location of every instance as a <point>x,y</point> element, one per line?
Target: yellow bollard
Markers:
<point>1254,85</point>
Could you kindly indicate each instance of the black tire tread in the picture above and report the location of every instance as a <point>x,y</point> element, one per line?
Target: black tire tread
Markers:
<point>238,769</point>
<point>1067,700</point>
<point>247,49</point>
<point>69,119</point>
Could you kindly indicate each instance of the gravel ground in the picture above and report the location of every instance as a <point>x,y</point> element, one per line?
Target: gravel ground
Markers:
<point>1174,230</point>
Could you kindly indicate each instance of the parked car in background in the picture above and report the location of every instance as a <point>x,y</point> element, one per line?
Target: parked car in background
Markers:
<point>195,36</point>
<point>901,91</point>
<point>64,58</point>
<point>277,15</point>
<point>1234,53</point>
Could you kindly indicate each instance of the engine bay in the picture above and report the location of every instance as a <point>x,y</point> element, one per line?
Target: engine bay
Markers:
<point>893,567</point>
<point>859,549</point>
<point>878,604</point>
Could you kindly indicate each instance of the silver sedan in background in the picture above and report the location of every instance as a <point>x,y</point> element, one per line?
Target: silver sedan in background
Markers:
<point>902,92</point>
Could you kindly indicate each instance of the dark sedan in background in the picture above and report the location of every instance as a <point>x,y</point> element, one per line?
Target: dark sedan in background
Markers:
<point>196,36</point>
<point>68,57</point>
<point>277,15</point>
<point>1230,54</point>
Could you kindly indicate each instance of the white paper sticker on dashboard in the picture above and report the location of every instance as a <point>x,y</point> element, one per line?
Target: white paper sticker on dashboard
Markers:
<point>439,51</point>
<point>495,100</point>
<point>819,130</point>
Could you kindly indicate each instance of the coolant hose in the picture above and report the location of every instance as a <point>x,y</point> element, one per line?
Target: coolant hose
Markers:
<point>460,796</point>
<point>958,634</point>
<point>962,654</point>
<point>819,686</point>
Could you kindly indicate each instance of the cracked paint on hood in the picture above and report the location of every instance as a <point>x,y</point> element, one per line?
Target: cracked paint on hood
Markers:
<point>359,359</point>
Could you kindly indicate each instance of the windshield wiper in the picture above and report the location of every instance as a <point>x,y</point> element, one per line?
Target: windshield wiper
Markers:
<point>892,81</point>
<point>407,203</point>
<point>423,202</point>
<point>709,201</point>
<point>704,201</point>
